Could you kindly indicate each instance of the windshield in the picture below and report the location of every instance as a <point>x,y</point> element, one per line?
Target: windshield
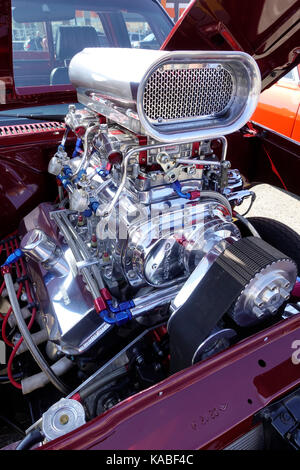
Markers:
<point>46,35</point>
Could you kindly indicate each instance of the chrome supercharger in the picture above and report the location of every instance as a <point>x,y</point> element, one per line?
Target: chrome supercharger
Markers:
<point>144,198</point>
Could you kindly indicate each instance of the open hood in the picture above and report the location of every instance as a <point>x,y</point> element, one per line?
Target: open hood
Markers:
<point>268,30</point>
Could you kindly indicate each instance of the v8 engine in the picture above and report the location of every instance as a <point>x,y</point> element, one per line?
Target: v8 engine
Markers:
<point>144,237</point>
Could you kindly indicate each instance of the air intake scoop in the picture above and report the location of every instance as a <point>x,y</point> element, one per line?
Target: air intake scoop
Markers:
<point>182,96</point>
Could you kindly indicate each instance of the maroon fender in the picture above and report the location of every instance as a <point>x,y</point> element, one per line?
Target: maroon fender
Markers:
<point>190,409</point>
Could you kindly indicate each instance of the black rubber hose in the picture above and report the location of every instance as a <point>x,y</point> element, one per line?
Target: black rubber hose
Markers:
<point>34,437</point>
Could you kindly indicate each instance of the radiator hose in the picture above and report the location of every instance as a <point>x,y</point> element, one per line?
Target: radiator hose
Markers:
<point>34,437</point>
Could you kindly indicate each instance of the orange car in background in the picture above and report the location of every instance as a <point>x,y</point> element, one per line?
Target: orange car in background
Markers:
<point>279,106</point>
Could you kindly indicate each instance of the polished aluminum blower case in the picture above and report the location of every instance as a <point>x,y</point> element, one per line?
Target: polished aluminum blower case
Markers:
<point>171,96</point>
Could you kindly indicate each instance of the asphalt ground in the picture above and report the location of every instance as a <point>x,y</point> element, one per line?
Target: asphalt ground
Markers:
<point>274,203</point>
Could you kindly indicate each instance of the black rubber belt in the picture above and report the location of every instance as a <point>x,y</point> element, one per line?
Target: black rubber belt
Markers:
<point>192,323</point>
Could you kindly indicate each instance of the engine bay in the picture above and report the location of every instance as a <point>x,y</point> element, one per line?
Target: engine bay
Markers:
<point>142,267</point>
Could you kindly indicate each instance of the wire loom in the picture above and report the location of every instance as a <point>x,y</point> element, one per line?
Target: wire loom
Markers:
<point>20,277</point>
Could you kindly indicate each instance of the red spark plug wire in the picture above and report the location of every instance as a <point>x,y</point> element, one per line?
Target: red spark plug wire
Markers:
<point>14,351</point>
<point>20,272</point>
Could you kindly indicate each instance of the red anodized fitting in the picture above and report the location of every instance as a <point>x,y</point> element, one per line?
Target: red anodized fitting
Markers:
<point>76,397</point>
<point>105,294</point>
<point>100,304</point>
<point>194,195</point>
<point>5,270</point>
<point>80,131</point>
<point>108,166</point>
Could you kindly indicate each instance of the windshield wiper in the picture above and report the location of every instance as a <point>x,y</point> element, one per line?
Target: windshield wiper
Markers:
<point>39,117</point>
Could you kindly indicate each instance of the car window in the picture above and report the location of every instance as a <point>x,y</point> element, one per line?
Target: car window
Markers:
<point>33,36</point>
<point>138,28</point>
<point>291,76</point>
<point>46,35</point>
<point>83,18</point>
<point>29,37</point>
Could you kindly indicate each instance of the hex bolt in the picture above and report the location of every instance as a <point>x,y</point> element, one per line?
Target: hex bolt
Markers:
<point>225,164</point>
<point>139,360</point>
<point>192,170</point>
<point>270,296</point>
<point>24,297</point>
<point>285,294</point>
<point>258,302</point>
<point>164,159</point>
<point>272,287</point>
<point>258,312</point>
<point>108,272</point>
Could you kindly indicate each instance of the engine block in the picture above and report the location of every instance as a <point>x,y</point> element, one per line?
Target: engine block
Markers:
<point>144,200</point>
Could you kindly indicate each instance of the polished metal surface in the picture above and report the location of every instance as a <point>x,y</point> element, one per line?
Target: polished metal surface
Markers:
<point>61,418</point>
<point>265,293</point>
<point>39,247</point>
<point>235,180</point>
<point>68,306</point>
<point>105,212</point>
<point>170,96</point>
<point>245,79</point>
<point>140,230</point>
<point>64,227</point>
<point>191,91</point>
<point>165,249</point>
<point>156,298</point>
<point>80,118</point>
<point>124,224</point>
<point>67,302</point>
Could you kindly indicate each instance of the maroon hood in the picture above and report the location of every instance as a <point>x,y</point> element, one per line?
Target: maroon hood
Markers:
<point>269,30</point>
